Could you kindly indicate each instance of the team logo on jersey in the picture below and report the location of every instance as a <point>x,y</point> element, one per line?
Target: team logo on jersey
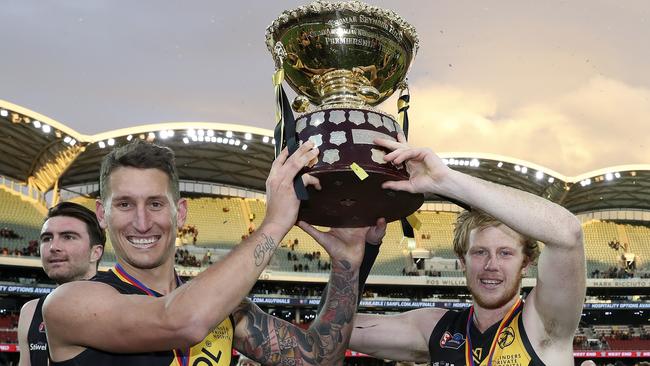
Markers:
<point>506,337</point>
<point>452,341</point>
<point>41,327</point>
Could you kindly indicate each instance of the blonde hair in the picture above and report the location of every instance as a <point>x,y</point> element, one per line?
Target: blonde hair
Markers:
<point>475,219</point>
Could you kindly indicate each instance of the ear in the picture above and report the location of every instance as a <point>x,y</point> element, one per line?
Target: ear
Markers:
<point>461,261</point>
<point>100,213</point>
<point>181,213</point>
<point>525,266</point>
<point>96,253</point>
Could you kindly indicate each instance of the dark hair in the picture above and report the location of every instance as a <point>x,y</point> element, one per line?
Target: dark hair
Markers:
<point>70,209</point>
<point>141,155</point>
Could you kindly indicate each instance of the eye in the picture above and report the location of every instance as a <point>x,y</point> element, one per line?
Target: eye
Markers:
<point>157,205</point>
<point>479,252</point>
<point>46,239</point>
<point>68,237</point>
<point>123,205</point>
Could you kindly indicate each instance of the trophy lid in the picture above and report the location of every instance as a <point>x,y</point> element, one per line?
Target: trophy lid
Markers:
<point>335,51</point>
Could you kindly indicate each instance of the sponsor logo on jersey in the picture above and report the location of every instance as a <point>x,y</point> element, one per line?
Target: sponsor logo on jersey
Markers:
<point>40,346</point>
<point>452,341</point>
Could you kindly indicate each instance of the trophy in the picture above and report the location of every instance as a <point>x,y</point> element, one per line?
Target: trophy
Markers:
<point>342,59</point>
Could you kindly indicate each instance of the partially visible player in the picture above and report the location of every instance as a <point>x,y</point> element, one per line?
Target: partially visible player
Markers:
<point>72,244</point>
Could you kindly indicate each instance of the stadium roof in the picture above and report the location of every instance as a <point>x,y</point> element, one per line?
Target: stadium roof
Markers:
<point>41,152</point>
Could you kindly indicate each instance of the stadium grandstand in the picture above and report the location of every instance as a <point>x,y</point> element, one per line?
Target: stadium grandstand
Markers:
<point>223,168</point>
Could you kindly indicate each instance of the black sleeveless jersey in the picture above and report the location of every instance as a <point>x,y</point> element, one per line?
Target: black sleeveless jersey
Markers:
<point>214,350</point>
<point>447,343</point>
<point>36,339</point>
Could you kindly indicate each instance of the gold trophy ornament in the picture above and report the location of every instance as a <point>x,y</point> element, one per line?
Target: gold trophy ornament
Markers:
<point>343,59</point>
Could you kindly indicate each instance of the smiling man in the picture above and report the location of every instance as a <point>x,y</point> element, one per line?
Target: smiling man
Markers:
<point>72,244</point>
<point>496,243</point>
<point>140,313</point>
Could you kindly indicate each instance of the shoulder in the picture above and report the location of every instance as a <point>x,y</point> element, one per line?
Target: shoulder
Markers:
<point>27,314</point>
<point>425,319</point>
<point>76,294</point>
<point>28,309</point>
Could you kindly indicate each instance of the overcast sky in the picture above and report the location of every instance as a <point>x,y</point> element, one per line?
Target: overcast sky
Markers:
<point>563,84</point>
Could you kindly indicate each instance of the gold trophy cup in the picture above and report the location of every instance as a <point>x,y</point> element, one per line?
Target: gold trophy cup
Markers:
<point>342,59</point>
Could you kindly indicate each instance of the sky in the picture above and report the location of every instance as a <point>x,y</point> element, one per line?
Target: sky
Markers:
<point>562,84</point>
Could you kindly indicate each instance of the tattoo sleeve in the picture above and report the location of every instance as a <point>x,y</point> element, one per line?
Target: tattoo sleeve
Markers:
<point>272,341</point>
<point>369,257</point>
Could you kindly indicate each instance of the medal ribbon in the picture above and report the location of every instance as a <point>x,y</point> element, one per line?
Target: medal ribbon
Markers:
<point>469,359</point>
<point>182,359</point>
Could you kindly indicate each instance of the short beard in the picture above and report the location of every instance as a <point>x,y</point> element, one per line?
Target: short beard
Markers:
<point>500,302</point>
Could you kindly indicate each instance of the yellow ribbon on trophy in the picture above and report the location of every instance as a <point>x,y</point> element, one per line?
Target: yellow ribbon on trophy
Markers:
<point>402,110</point>
<point>278,78</point>
<point>285,129</point>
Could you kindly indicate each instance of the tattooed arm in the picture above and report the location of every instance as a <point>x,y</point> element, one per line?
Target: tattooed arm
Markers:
<point>374,237</point>
<point>272,341</point>
<point>176,320</point>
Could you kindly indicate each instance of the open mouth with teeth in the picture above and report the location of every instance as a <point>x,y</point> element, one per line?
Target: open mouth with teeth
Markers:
<point>490,283</point>
<point>143,242</point>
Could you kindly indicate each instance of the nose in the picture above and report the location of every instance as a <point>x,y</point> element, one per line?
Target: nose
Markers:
<point>55,245</point>
<point>142,220</point>
<point>491,264</point>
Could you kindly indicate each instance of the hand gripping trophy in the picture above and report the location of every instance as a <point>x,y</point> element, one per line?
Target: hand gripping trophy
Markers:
<point>343,59</point>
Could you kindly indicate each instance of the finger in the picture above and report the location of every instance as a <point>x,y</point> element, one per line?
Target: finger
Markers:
<point>399,156</point>
<point>299,159</point>
<point>310,180</point>
<point>401,138</point>
<point>281,158</point>
<point>318,235</point>
<point>376,233</point>
<point>389,144</point>
<point>381,224</point>
<point>305,153</point>
<point>398,185</point>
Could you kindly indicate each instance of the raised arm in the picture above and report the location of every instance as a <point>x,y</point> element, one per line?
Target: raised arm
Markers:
<point>374,238</point>
<point>272,341</point>
<point>554,306</point>
<point>556,302</point>
<point>104,319</point>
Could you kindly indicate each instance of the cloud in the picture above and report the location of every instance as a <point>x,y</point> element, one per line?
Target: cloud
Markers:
<point>603,122</point>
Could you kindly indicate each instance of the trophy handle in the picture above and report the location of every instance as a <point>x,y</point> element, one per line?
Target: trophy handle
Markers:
<point>403,86</point>
<point>280,54</point>
<point>403,106</point>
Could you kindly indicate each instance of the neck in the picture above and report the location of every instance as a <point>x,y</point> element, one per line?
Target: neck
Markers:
<point>161,279</point>
<point>484,318</point>
<point>86,276</point>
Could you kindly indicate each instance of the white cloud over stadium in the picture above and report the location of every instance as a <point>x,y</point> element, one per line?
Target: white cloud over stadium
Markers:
<point>560,84</point>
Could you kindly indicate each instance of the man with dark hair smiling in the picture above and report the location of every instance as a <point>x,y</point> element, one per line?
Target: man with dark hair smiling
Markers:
<point>101,322</point>
<point>72,244</point>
